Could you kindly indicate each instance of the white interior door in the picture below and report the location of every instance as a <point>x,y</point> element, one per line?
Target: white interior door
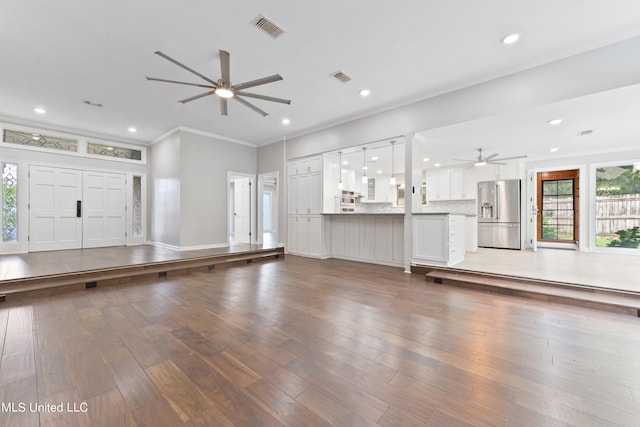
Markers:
<point>54,220</point>
<point>242,210</point>
<point>104,208</point>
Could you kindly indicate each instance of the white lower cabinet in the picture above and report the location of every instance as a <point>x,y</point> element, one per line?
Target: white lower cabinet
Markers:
<point>377,239</point>
<point>439,239</point>
<point>307,235</point>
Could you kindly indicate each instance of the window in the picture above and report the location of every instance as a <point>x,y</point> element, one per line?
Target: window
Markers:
<point>618,207</point>
<point>9,202</point>
<point>137,207</point>
<point>113,151</point>
<point>39,140</point>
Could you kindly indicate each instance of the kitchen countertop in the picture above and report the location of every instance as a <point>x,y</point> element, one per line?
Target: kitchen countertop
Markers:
<point>439,213</point>
<point>365,213</point>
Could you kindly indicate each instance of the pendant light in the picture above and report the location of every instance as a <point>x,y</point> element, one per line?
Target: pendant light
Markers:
<point>340,185</point>
<point>364,165</point>
<point>392,180</point>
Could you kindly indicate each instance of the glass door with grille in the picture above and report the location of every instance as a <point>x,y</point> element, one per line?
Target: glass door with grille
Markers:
<point>558,207</point>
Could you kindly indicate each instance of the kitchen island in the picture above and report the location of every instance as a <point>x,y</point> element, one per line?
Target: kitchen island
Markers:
<point>439,239</point>
<point>368,237</point>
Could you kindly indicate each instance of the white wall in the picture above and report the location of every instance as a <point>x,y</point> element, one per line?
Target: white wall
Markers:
<point>586,164</point>
<point>205,161</point>
<point>271,158</point>
<point>165,190</point>
<point>615,66</point>
<point>25,157</point>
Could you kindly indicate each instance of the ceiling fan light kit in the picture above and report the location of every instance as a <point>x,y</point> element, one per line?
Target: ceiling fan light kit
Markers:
<point>223,87</point>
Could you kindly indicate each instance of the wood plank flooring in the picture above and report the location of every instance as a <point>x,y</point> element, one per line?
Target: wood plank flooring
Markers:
<point>304,342</point>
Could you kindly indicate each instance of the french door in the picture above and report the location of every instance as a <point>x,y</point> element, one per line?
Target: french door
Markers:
<point>72,209</point>
<point>558,206</point>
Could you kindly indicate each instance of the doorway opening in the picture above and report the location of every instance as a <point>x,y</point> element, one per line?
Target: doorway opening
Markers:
<point>558,208</point>
<point>268,201</point>
<point>241,215</point>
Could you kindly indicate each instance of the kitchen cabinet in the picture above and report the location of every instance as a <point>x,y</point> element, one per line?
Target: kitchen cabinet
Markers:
<point>439,239</point>
<point>305,224</point>
<point>451,183</point>
<point>374,238</point>
<point>304,166</point>
<point>307,235</point>
<point>432,184</point>
<point>305,187</point>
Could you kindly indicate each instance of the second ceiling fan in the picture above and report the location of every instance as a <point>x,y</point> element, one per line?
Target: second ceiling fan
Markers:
<point>492,159</point>
<point>223,87</point>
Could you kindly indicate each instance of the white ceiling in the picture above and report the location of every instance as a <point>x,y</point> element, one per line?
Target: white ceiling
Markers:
<point>58,54</point>
<point>612,116</point>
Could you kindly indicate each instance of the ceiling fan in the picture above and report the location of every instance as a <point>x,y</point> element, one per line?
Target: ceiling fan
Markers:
<point>481,160</point>
<point>223,87</point>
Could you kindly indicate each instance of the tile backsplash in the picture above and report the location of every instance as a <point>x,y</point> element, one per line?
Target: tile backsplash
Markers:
<point>465,207</point>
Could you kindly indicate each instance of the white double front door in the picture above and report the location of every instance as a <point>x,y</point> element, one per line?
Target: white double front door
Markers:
<point>71,209</point>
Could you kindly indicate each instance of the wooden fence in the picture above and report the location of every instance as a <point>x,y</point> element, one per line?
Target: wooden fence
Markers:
<point>613,213</point>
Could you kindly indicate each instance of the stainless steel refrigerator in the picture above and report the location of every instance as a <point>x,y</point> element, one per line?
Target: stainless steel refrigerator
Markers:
<point>499,214</point>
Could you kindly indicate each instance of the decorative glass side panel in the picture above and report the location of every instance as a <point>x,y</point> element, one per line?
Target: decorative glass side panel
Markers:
<point>112,151</point>
<point>39,140</point>
<point>618,207</point>
<point>137,206</point>
<point>9,202</point>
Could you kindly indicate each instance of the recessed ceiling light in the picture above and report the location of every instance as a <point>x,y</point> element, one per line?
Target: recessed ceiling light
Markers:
<point>379,171</point>
<point>511,38</point>
<point>39,110</point>
<point>286,121</point>
<point>554,122</point>
<point>437,165</point>
<point>553,150</point>
<point>133,130</point>
<point>374,159</point>
<point>426,159</point>
<point>365,167</point>
<point>365,92</point>
<point>345,163</point>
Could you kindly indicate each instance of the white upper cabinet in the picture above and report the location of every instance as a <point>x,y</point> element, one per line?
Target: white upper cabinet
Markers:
<point>305,186</point>
<point>451,183</point>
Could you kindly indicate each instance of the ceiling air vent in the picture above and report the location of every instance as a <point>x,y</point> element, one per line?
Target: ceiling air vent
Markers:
<point>340,75</point>
<point>585,132</point>
<point>268,26</point>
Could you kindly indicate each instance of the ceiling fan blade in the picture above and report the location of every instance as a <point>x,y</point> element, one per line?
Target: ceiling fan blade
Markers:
<point>464,160</point>
<point>181,65</point>
<point>224,67</point>
<point>223,107</point>
<point>258,82</point>
<point>512,158</point>
<point>491,156</point>
<point>266,98</point>
<point>248,104</point>
<point>180,83</point>
<point>493,162</point>
<point>202,95</point>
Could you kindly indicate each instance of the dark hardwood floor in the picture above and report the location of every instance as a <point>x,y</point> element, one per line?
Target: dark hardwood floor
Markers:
<point>303,342</point>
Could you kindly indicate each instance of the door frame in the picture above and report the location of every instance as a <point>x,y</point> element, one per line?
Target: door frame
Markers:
<point>232,176</point>
<point>582,208</point>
